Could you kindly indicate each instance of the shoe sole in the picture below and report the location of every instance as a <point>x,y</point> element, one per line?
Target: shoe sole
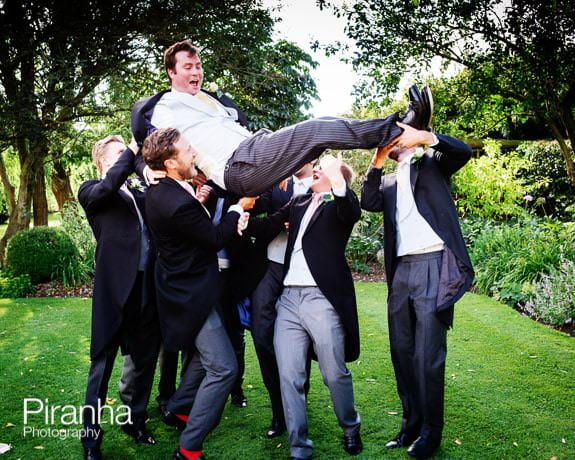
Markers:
<point>428,100</point>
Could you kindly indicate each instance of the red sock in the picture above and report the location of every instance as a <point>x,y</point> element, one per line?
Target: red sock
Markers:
<point>190,454</point>
<point>182,417</point>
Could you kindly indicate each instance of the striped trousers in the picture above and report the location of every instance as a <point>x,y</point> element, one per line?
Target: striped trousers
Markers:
<point>266,158</point>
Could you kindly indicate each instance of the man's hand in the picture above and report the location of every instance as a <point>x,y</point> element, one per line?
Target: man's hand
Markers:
<point>382,153</point>
<point>134,146</point>
<point>283,185</point>
<point>203,193</point>
<point>199,179</point>
<point>412,137</point>
<point>243,222</point>
<point>247,203</point>
<point>153,176</point>
<point>331,167</point>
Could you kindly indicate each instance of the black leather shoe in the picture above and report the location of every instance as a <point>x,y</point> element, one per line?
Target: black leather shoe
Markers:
<point>276,429</point>
<point>418,114</point>
<point>162,406</point>
<point>169,418</point>
<point>179,456</point>
<point>427,99</point>
<point>139,433</point>
<point>239,400</point>
<point>92,453</point>
<point>402,439</point>
<point>352,443</point>
<point>423,447</point>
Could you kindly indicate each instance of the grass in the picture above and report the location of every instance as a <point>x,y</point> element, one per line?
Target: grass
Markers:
<point>510,388</point>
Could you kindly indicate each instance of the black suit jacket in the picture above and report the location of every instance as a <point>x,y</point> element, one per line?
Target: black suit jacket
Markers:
<point>116,226</point>
<point>431,185</point>
<point>187,276</point>
<point>324,243</point>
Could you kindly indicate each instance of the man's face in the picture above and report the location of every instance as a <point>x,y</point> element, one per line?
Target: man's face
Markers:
<point>187,76</point>
<point>320,181</point>
<point>181,166</point>
<point>112,152</point>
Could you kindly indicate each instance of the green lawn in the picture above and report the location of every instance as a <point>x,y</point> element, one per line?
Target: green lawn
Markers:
<point>510,388</point>
<point>54,219</point>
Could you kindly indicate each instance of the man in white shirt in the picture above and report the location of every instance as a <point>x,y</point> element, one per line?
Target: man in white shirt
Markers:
<point>317,307</point>
<point>249,164</point>
<point>427,271</point>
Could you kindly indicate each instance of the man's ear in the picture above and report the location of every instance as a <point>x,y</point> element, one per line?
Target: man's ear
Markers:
<point>170,163</point>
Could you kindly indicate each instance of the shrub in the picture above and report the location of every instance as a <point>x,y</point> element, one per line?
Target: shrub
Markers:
<point>489,187</point>
<point>554,299</point>
<point>75,224</point>
<point>365,241</point>
<point>15,286</point>
<point>510,258</point>
<point>546,180</point>
<point>45,254</point>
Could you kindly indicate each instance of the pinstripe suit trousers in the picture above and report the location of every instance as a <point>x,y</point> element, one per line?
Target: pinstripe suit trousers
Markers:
<point>266,158</point>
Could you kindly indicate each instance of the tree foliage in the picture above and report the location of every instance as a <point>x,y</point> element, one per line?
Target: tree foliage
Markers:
<point>62,63</point>
<point>520,50</point>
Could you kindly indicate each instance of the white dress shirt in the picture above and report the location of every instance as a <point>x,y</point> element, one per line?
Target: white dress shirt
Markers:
<point>299,273</point>
<point>277,247</point>
<point>414,234</point>
<point>209,126</point>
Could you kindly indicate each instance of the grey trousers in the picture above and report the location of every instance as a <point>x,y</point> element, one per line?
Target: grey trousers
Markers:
<point>418,341</point>
<point>304,318</point>
<point>207,380</point>
<point>266,158</point>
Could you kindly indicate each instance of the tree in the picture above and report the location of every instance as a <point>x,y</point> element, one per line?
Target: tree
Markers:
<point>520,50</point>
<point>57,60</point>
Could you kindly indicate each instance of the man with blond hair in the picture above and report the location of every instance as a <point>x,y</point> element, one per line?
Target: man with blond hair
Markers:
<point>123,303</point>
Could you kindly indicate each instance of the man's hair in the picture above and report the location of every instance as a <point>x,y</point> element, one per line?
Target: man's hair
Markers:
<point>170,54</point>
<point>159,146</point>
<point>347,173</point>
<point>100,147</point>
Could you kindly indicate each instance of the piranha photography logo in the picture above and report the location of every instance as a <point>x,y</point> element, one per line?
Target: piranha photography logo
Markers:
<point>44,420</point>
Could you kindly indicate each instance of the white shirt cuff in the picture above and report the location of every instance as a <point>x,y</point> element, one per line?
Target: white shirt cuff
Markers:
<point>435,140</point>
<point>237,208</point>
<point>145,174</point>
<point>340,191</point>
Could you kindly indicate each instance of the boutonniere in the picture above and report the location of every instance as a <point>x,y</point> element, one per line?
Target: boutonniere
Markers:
<point>417,155</point>
<point>135,184</point>
<point>327,197</point>
<point>214,88</point>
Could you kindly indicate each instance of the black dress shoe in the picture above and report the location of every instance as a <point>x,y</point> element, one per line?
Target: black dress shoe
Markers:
<point>352,443</point>
<point>428,101</point>
<point>162,406</point>
<point>418,114</point>
<point>92,453</point>
<point>169,418</point>
<point>239,400</point>
<point>423,447</point>
<point>402,439</point>
<point>139,433</point>
<point>276,429</point>
<point>179,456</point>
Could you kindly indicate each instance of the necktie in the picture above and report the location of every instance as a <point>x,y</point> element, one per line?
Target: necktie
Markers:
<point>209,101</point>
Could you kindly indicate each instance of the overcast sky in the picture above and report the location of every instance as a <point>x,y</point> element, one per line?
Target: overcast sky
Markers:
<point>302,22</point>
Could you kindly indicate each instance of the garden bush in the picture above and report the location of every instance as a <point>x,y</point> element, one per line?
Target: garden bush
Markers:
<point>75,224</point>
<point>45,253</point>
<point>510,258</point>
<point>554,299</point>
<point>547,184</point>
<point>15,286</point>
<point>365,241</point>
<point>489,186</point>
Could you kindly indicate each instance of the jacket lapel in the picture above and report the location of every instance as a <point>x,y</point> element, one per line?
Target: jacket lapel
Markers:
<point>390,195</point>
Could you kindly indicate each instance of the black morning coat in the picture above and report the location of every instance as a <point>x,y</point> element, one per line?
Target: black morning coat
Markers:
<point>186,273</point>
<point>114,221</point>
<point>431,185</point>
<point>323,243</point>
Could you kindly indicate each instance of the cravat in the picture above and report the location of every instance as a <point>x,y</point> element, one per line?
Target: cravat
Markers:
<point>209,101</point>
